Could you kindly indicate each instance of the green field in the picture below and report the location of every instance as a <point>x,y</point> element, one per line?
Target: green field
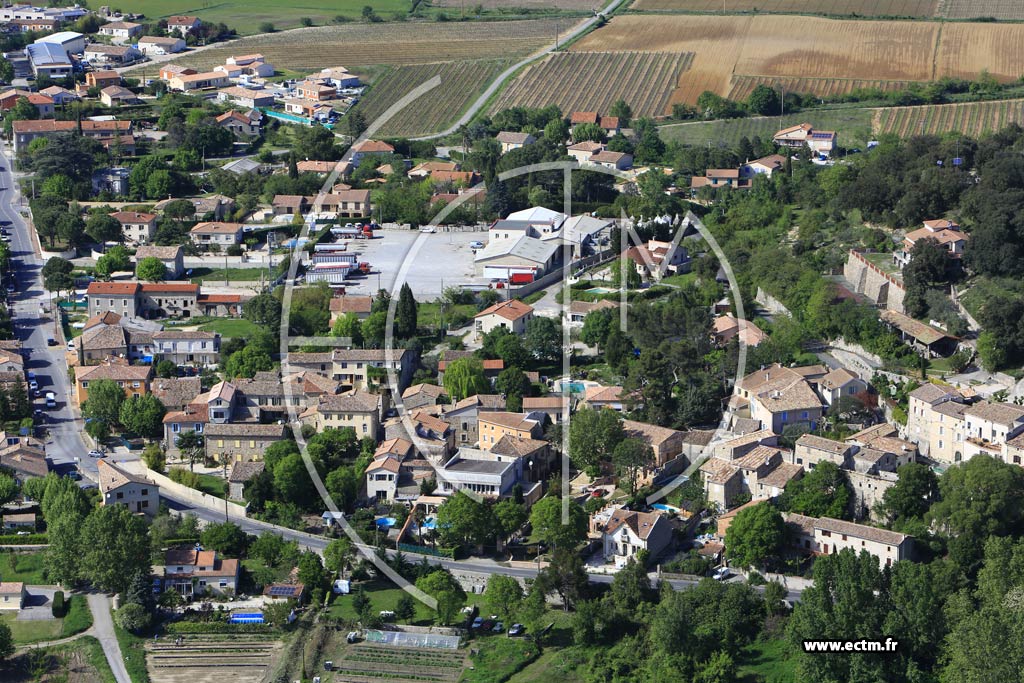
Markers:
<point>199,275</point>
<point>28,568</point>
<point>25,632</point>
<point>245,17</point>
<point>383,595</point>
<point>853,126</point>
<point>770,661</point>
<point>231,327</point>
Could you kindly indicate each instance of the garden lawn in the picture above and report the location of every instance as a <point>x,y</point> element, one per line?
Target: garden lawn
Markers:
<point>78,617</point>
<point>231,327</point>
<point>383,595</point>
<point>133,651</point>
<point>213,485</point>
<point>499,658</point>
<point>429,314</point>
<point>199,275</point>
<point>34,631</point>
<point>28,568</point>
<point>767,661</point>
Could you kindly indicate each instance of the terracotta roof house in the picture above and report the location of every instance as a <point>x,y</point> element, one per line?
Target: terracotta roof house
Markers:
<point>24,460</point>
<point>134,379</point>
<point>12,595</point>
<point>513,315</point>
<point>510,141</point>
<point>191,571</point>
<point>369,148</point>
<point>666,443</point>
<point>727,327</point>
<point>627,532</point>
<point>216,232</point>
<point>120,487</point>
<point>604,397</point>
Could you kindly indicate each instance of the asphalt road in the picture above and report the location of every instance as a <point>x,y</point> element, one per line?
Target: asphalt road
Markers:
<point>33,327</point>
<point>318,543</point>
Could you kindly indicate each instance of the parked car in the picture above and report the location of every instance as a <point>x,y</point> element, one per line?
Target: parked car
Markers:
<point>721,574</point>
<point>477,623</point>
<point>516,630</point>
<point>476,245</point>
<point>498,628</point>
<point>51,400</point>
<point>71,344</point>
<point>50,341</point>
<point>428,229</point>
<point>95,454</point>
<point>33,385</point>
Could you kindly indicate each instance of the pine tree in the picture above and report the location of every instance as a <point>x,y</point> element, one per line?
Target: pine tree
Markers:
<point>293,167</point>
<point>140,592</point>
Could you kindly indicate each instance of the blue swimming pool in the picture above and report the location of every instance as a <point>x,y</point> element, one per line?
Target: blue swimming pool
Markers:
<point>571,387</point>
<point>665,508</point>
<point>386,522</point>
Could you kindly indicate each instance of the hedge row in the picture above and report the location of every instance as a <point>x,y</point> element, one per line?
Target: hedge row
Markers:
<point>28,539</point>
<point>185,627</point>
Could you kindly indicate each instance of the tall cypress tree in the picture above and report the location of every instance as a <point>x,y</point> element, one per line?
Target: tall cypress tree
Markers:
<point>405,314</point>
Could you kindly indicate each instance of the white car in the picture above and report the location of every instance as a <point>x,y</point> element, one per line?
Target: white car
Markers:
<point>721,574</point>
<point>476,245</point>
<point>95,454</point>
<point>428,229</point>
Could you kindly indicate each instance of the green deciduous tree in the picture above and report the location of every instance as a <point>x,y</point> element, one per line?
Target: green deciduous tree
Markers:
<point>822,492</point>
<point>756,534</point>
<point>338,555</point>
<point>349,326</point>
<point>544,339</point>
<point>977,501</point>
<point>913,493</point>
<point>115,545</point>
<point>450,596</point>
<point>593,435</point>
<point>503,596</point>
<point>246,362</point>
<point>104,401</point>
<point>462,520</point>
<point>465,377</point>
<point>151,269</point>
<point>546,519</point>
<point>142,415</point>
<point>226,538</point>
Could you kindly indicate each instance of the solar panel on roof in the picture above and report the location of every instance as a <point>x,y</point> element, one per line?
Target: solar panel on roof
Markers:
<point>281,590</point>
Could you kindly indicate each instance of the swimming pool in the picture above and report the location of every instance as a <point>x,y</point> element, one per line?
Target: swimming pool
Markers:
<point>665,508</point>
<point>573,387</point>
<point>386,522</point>
<point>598,290</point>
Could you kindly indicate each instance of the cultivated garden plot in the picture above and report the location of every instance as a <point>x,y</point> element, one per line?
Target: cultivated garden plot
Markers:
<point>209,661</point>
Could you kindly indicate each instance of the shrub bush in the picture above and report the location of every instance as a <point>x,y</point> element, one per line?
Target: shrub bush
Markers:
<point>57,606</point>
<point>28,539</point>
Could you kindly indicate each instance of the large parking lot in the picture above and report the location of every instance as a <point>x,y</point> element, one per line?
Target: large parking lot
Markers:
<point>435,261</point>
